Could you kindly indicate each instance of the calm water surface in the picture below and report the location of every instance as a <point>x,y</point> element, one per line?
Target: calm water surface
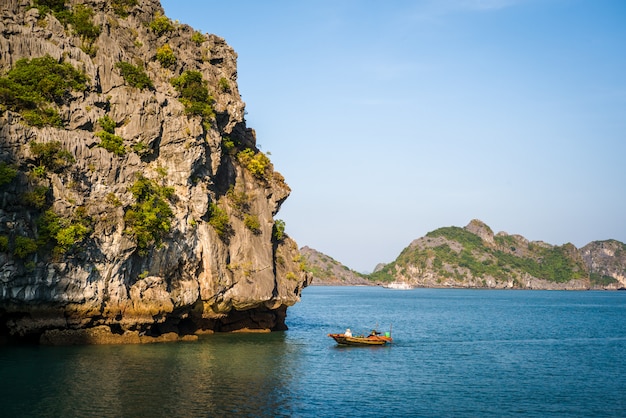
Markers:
<point>456,353</point>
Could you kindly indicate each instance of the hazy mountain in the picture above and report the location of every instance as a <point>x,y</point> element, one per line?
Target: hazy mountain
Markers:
<point>328,271</point>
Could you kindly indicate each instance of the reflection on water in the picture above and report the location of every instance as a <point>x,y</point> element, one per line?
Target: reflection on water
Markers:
<point>216,376</point>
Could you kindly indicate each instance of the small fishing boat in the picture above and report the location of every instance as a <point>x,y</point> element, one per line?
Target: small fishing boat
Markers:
<point>374,338</point>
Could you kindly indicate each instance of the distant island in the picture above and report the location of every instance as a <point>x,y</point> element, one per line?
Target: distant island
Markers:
<point>475,257</point>
<point>325,270</point>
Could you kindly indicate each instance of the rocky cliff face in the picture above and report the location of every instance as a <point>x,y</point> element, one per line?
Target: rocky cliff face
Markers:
<point>143,210</point>
<point>475,257</point>
<point>606,261</point>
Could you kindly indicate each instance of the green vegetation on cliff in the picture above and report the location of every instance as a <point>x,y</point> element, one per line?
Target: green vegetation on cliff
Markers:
<point>278,230</point>
<point>600,280</point>
<point>135,76</point>
<point>24,246</point>
<point>32,85</point>
<point>198,38</point>
<point>54,232</point>
<point>257,163</point>
<point>150,217</point>
<point>50,231</point>
<point>111,142</point>
<point>224,85</point>
<point>252,223</point>
<point>50,6</point>
<point>195,95</point>
<point>165,55</point>
<point>122,7</point>
<point>79,19</point>
<point>108,140</point>
<point>51,155</point>
<point>64,233</point>
<point>82,23</point>
<point>218,219</point>
<point>37,197</point>
<point>161,25</point>
<point>7,173</point>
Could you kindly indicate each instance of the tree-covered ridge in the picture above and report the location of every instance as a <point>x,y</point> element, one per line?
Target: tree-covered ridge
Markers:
<point>555,264</point>
<point>460,255</point>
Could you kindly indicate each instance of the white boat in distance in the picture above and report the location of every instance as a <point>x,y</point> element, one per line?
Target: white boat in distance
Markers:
<point>398,286</point>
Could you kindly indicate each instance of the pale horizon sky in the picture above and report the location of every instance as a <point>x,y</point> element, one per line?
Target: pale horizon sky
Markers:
<point>392,119</point>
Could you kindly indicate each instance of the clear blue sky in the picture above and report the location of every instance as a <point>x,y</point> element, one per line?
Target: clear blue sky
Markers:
<point>390,119</point>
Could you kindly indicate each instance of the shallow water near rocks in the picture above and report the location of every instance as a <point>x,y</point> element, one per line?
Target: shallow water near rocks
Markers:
<point>461,353</point>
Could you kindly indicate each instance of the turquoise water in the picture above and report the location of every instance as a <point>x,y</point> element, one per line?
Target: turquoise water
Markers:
<point>456,353</point>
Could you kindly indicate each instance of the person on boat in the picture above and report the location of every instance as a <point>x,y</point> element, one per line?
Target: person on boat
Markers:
<point>348,333</point>
<point>374,333</point>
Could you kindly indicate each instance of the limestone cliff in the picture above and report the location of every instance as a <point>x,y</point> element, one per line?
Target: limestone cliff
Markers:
<point>606,261</point>
<point>135,205</point>
<point>475,257</point>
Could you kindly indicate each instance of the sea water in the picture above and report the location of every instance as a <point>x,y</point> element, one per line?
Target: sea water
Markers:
<point>456,353</point>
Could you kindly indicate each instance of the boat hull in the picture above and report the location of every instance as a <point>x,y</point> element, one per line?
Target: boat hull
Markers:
<point>342,339</point>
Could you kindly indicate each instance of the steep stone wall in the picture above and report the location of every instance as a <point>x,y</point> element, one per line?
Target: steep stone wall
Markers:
<point>106,288</point>
<point>606,259</point>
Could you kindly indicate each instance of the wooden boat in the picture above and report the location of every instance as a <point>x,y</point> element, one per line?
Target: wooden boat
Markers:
<point>372,339</point>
